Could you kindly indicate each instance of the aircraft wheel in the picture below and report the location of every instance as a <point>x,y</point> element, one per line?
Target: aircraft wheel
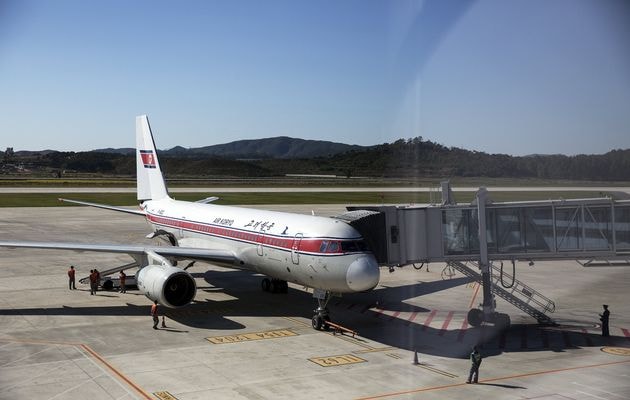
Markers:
<point>266,285</point>
<point>475,317</point>
<point>317,322</point>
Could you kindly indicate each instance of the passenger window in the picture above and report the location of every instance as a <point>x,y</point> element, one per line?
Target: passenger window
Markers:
<point>333,247</point>
<point>322,248</point>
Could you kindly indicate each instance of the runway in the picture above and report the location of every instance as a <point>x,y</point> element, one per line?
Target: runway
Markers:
<point>313,189</point>
<point>237,342</point>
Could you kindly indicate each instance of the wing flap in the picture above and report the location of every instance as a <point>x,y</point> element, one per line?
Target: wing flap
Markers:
<point>210,255</point>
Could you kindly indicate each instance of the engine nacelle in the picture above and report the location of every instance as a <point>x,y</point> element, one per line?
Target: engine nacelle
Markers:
<point>170,286</point>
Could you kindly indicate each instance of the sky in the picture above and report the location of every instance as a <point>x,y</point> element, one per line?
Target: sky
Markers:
<point>515,77</point>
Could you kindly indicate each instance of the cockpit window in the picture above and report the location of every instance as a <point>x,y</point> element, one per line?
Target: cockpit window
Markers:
<point>333,247</point>
<point>322,248</point>
<point>347,247</point>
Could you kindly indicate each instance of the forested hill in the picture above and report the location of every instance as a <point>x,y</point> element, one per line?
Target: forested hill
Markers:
<point>276,147</point>
<point>403,158</point>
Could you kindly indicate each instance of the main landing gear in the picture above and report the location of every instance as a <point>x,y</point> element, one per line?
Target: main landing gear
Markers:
<point>274,285</point>
<point>321,313</point>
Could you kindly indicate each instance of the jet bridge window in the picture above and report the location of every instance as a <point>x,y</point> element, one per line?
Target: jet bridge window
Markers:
<point>459,230</point>
<point>622,227</point>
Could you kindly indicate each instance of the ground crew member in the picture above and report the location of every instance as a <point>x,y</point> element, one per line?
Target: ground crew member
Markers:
<point>122,276</point>
<point>604,318</point>
<point>92,281</point>
<point>154,314</point>
<point>71,273</point>
<point>98,280</point>
<point>475,359</point>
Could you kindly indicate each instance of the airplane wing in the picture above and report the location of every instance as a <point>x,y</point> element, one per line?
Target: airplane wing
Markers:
<point>210,255</point>
<point>104,206</point>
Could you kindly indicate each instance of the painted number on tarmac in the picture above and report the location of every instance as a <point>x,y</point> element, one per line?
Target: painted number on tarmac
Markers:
<point>618,351</point>
<point>334,361</point>
<point>246,337</point>
<point>164,396</point>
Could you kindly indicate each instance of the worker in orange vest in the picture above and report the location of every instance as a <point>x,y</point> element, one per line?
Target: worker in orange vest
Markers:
<point>154,314</point>
<point>71,273</point>
<point>92,281</point>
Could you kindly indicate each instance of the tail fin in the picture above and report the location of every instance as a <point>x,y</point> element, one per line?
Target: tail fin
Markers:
<point>149,178</point>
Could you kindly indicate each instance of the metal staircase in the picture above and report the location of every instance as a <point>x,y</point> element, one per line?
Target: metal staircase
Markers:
<point>518,294</point>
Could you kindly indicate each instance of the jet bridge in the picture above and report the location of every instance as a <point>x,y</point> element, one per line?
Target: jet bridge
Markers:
<point>485,233</point>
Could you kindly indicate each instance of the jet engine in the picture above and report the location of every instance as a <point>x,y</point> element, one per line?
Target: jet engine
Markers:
<point>170,286</point>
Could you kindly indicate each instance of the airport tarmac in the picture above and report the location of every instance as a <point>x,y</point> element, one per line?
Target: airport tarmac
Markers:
<point>237,342</point>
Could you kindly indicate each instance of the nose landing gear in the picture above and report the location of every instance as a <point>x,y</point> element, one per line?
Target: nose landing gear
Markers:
<point>321,313</point>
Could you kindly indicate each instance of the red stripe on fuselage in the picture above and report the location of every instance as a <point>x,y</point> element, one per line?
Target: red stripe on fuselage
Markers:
<point>304,245</point>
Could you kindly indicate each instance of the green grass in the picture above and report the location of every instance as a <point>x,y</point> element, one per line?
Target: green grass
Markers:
<point>367,197</point>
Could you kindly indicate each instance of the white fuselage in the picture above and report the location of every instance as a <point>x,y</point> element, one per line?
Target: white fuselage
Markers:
<point>317,252</point>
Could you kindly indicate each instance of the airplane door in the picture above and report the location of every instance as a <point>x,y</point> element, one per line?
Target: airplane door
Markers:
<point>259,247</point>
<point>295,255</point>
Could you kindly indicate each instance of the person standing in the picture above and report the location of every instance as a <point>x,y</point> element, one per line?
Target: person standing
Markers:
<point>154,314</point>
<point>71,273</point>
<point>92,281</point>
<point>122,276</point>
<point>475,359</point>
<point>98,279</point>
<point>604,318</point>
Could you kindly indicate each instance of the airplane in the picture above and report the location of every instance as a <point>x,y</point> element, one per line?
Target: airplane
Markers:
<point>325,254</point>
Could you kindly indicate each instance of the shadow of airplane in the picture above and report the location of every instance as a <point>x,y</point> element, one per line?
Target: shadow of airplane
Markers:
<point>364,312</point>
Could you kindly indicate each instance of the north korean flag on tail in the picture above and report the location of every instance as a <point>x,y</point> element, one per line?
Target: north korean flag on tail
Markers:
<point>148,159</point>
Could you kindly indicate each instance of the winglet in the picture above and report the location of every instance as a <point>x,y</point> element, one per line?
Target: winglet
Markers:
<point>150,181</point>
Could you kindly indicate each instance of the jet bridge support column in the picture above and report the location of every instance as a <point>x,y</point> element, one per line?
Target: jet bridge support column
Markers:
<point>484,264</point>
<point>488,312</point>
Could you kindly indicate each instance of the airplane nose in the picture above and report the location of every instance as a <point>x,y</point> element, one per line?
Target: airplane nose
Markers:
<point>363,274</point>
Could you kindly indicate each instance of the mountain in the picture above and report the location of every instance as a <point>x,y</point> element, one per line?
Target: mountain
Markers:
<point>281,147</point>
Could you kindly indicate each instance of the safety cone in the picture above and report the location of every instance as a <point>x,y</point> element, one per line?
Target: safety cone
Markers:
<point>415,357</point>
<point>163,322</point>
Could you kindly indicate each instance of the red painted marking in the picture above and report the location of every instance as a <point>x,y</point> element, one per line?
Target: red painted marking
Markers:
<point>411,318</point>
<point>446,322</point>
<point>472,300</point>
<point>394,315</point>
<point>626,333</point>
<point>463,331</point>
<point>429,319</point>
<point>378,313</point>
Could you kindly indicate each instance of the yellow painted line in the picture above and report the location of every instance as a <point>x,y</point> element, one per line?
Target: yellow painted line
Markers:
<point>617,351</point>
<point>164,395</point>
<point>93,353</point>
<point>246,337</point>
<point>375,350</point>
<point>297,321</point>
<point>353,341</point>
<point>472,300</point>
<point>551,371</point>
<point>393,355</point>
<point>115,371</point>
<point>334,361</point>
